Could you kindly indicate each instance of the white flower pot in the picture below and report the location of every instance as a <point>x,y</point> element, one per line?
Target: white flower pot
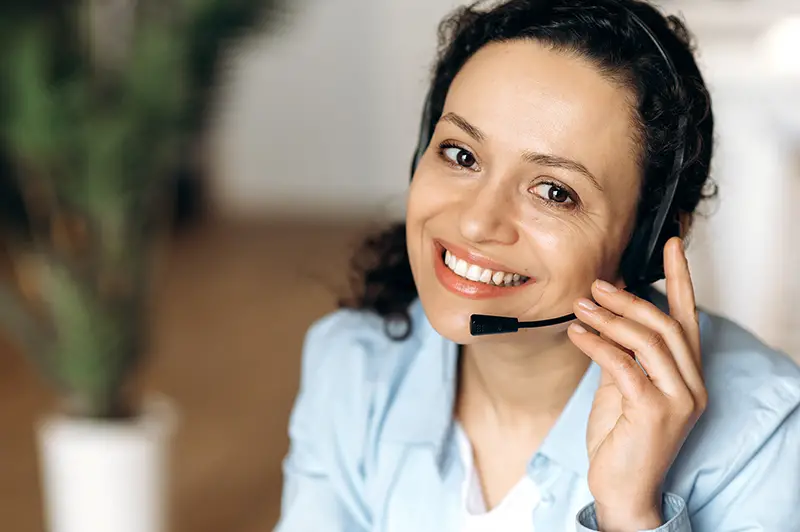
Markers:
<point>107,476</point>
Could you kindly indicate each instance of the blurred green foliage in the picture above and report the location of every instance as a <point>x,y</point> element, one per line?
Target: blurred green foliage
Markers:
<point>94,119</point>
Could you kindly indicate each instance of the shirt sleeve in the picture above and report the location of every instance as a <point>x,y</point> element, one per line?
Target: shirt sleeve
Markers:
<point>310,500</point>
<point>673,510</point>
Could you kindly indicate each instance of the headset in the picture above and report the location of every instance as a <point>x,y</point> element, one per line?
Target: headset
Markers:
<point>642,260</point>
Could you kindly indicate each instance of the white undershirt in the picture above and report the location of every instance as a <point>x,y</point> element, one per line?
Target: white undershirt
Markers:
<point>513,514</point>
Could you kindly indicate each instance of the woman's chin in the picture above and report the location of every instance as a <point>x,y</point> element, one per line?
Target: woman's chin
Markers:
<point>454,326</point>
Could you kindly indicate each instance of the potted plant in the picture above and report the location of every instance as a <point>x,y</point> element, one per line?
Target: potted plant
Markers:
<point>100,100</point>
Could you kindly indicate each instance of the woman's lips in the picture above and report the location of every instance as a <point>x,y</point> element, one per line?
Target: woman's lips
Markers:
<point>472,258</point>
<point>464,287</point>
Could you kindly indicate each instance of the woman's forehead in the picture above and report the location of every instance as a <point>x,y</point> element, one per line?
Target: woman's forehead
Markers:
<point>528,97</point>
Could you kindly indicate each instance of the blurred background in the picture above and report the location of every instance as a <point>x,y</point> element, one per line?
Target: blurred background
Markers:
<point>308,147</point>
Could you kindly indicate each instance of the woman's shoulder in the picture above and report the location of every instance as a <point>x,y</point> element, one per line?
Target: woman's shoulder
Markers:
<point>738,364</point>
<point>355,345</point>
<point>352,375</point>
<point>753,399</point>
<point>354,372</point>
<point>752,387</point>
<point>739,368</point>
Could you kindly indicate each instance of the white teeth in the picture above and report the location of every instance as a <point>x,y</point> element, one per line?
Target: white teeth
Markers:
<point>474,273</point>
<point>498,277</point>
<point>484,275</point>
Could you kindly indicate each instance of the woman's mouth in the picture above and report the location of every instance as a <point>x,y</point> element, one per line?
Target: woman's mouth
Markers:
<point>471,280</point>
<point>473,272</point>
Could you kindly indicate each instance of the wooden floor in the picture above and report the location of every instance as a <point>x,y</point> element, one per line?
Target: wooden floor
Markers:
<point>231,311</point>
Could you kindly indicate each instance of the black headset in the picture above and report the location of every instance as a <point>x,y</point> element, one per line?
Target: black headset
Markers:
<point>642,260</point>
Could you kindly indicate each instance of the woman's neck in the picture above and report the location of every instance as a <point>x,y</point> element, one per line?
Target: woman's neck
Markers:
<point>516,384</point>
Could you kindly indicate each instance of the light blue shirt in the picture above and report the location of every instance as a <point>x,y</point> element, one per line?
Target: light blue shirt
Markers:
<point>373,446</point>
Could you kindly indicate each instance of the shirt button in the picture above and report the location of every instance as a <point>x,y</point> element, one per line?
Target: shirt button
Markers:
<point>539,469</point>
<point>547,499</point>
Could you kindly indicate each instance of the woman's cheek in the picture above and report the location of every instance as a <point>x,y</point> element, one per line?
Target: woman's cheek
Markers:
<point>427,195</point>
<point>569,253</point>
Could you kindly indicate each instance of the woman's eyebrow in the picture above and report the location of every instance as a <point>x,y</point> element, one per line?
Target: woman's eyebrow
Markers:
<point>462,123</point>
<point>542,159</point>
<point>554,161</point>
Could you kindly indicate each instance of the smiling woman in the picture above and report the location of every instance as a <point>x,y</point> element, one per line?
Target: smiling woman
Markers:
<point>555,134</point>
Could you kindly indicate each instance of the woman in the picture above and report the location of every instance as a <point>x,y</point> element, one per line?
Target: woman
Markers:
<point>555,127</point>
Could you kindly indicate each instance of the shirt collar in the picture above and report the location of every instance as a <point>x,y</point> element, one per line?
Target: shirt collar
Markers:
<point>565,443</point>
<point>421,410</point>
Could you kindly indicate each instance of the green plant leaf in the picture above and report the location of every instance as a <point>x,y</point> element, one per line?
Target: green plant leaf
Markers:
<point>31,107</point>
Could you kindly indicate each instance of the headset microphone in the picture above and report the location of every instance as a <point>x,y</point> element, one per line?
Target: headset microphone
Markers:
<point>481,324</point>
<point>484,324</point>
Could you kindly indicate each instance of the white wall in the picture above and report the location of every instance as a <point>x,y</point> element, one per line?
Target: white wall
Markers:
<point>322,121</point>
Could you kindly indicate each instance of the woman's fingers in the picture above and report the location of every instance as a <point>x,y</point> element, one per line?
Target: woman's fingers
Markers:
<point>659,329</point>
<point>619,365</point>
<point>680,294</point>
<point>647,343</point>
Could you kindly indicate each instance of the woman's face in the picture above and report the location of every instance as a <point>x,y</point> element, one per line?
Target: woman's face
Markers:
<point>532,171</point>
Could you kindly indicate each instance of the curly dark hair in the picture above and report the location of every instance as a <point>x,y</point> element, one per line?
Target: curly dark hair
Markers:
<point>604,32</point>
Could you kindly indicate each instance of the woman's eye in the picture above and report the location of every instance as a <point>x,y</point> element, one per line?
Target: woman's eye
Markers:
<point>552,193</point>
<point>460,156</point>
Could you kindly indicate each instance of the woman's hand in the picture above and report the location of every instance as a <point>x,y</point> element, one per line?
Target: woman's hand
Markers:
<point>639,422</point>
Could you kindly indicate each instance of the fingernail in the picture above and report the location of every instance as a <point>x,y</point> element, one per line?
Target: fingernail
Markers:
<point>587,305</point>
<point>605,287</point>
<point>577,328</point>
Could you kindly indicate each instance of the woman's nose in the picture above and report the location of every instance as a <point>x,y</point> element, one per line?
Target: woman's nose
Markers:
<point>487,216</point>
